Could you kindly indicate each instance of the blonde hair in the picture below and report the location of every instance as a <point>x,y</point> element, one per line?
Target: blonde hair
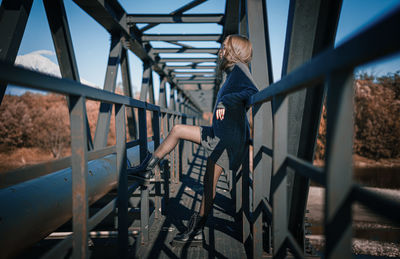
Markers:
<point>235,48</point>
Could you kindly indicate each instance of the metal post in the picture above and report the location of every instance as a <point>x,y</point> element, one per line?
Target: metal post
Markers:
<point>144,214</point>
<point>103,121</point>
<point>162,99</point>
<point>80,207</point>
<point>338,219</point>
<point>126,83</point>
<point>311,28</point>
<point>156,132</point>
<point>147,84</point>
<point>144,191</point>
<point>279,178</point>
<point>257,25</point>
<point>122,202</point>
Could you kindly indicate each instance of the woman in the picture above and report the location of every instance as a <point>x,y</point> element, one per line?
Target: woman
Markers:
<point>226,140</point>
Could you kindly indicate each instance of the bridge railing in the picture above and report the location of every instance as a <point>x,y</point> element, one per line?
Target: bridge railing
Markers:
<point>332,69</point>
<point>86,188</point>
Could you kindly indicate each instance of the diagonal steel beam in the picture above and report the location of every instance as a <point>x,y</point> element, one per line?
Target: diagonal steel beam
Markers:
<point>13,18</point>
<point>57,18</point>
<point>177,11</point>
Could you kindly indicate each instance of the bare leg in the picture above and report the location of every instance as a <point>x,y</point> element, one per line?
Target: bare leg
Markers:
<point>178,132</point>
<point>213,172</point>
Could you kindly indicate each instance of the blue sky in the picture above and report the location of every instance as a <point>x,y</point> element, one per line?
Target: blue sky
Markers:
<point>91,41</point>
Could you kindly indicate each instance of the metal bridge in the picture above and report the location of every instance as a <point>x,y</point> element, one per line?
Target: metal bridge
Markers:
<point>266,199</point>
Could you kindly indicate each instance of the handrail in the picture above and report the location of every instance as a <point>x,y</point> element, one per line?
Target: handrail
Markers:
<point>350,54</point>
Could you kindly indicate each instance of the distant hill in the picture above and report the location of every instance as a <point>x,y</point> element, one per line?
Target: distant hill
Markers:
<point>37,61</point>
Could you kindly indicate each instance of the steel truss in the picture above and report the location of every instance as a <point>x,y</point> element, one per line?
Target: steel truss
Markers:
<point>269,191</point>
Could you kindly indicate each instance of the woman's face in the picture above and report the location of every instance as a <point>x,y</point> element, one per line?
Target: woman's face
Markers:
<point>221,52</point>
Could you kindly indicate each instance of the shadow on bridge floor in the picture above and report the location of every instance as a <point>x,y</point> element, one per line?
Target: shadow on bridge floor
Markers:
<point>221,237</point>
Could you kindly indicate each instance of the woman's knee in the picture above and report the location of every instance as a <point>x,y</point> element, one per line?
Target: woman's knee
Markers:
<point>175,129</point>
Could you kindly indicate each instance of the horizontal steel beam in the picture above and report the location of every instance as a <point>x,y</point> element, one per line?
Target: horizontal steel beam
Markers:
<point>181,37</point>
<point>196,81</point>
<point>180,10</point>
<point>192,66</point>
<point>192,73</point>
<point>181,78</point>
<point>177,18</point>
<point>194,60</point>
<point>186,50</point>
<point>27,217</point>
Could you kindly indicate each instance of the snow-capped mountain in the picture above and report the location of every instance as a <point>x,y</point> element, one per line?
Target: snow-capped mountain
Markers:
<point>37,61</point>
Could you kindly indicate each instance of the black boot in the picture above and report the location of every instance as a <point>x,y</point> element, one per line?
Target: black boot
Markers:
<point>194,232</point>
<point>145,169</point>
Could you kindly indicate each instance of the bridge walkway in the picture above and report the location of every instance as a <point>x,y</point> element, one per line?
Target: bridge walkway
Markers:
<point>222,236</point>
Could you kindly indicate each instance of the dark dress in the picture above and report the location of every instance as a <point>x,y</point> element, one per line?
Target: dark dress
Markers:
<point>226,140</point>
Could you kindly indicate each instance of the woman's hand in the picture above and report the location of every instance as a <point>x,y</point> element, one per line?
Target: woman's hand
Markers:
<point>220,113</point>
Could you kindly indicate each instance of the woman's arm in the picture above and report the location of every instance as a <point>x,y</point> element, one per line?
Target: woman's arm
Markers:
<point>233,99</point>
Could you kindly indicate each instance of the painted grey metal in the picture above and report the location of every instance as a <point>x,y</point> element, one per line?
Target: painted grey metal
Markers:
<point>257,25</point>
<point>231,21</point>
<point>147,84</point>
<point>186,50</point>
<point>339,151</point>
<point>184,78</point>
<point>279,177</point>
<point>181,37</point>
<point>144,214</point>
<point>380,203</point>
<point>203,81</point>
<point>162,97</point>
<point>79,171</point>
<point>58,22</point>
<point>194,60</point>
<point>121,165</point>
<point>178,11</point>
<point>311,29</point>
<point>103,119</point>
<point>306,169</point>
<point>13,18</point>
<point>193,73</point>
<point>177,18</point>
<point>127,88</point>
<point>192,66</point>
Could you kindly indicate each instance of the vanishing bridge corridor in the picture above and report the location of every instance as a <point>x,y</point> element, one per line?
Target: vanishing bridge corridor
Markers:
<point>86,206</point>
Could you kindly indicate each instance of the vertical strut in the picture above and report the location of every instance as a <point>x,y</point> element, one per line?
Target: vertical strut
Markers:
<point>103,121</point>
